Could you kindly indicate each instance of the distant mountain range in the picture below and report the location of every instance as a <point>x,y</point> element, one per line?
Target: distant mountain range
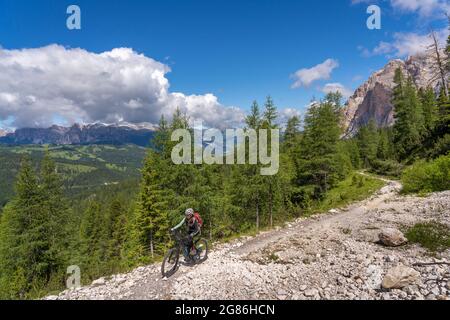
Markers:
<point>97,133</point>
<point>372,100</point>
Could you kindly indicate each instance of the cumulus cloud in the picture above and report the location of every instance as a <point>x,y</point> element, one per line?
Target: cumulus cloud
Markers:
<point>305,77</point>
<point>424,8</point>
<point>39,85</point>
<point>405,44</point>
<point>354,2</point>
<point>429,9</point>
<point>337,87</point>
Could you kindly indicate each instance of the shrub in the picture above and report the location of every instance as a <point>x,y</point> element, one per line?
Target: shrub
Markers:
<point>441,147</point>
<point>432,235</point>
<point>423,177</point>
<point>386,167</point>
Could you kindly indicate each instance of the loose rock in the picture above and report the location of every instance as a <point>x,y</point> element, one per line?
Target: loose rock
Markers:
<point>399,277</point>
<point>392,237</point>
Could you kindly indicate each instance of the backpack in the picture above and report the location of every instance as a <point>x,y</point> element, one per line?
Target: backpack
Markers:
<point>199,219</point>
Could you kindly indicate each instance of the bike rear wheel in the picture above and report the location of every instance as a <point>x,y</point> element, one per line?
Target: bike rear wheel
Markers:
<point>202,250</point>
<point>170,262</point>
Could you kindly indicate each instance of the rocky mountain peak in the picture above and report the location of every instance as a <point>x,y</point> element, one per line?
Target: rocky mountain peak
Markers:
<point>372,100</point>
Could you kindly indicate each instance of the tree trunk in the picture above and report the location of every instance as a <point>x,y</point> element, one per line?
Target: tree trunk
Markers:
<point>257,214</point>
<point>210,227</point>
<point>270,207</point>
<point>151,245</point>
<point>439,63</point>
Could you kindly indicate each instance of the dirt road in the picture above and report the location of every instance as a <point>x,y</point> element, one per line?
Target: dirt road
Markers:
<point>329,256</point>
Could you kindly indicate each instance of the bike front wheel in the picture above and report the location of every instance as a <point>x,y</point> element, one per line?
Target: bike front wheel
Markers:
<point>170,262</point>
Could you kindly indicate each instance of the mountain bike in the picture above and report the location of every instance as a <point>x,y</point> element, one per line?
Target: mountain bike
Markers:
<point>198,254</point>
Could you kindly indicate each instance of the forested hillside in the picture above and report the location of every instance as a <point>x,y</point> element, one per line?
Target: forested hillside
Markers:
<point>420,133</point>
<point>82,168</point>
<point>110,231</point>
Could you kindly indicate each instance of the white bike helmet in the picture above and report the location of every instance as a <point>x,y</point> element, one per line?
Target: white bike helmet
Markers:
<point>189,213</point>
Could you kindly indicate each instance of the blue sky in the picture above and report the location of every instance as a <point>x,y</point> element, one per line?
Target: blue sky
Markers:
<point>237,50</point>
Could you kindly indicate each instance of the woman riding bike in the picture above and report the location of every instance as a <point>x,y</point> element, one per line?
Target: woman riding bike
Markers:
<point>193,229</point>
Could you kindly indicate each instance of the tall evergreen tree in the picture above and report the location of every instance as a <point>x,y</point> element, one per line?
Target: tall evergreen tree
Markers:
<point>17,245</point>
<point>409,127</point>
<point>292,132</point>
<point>383,148</point>
<point>57,214</point>
<point>317,165</point>
<point>368,141</point>
<point>444,108</point>
<point>32,229</point>
<point>254,119</point>
<point>270,113</point>
<point>93,245</point>
<point>246,183</point>
<point>116,229</point>
<point>150,229</point>
<point>429,105</point>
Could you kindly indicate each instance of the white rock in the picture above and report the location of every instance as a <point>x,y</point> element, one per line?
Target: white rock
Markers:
<point>311,293</point>
<point>392,237</point>
<point>99,282</point>
<point>400,277</point>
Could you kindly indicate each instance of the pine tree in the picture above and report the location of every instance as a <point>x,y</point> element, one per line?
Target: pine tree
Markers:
<point>383,148</point>
<point>159,142</point>
<point>57,214</point>
<point>246,184</point>
<point>21,242</point>
<point>409,127</point>
<point>368,141</point>
<point>292,132</point>
<point>430,110</point>
<point>272,182</point>
<point>318,150</point>
<point>92,237</point>
<point>270,113</point>
<point>116,229</point>
<point>254,119</point>
<point>150,227</point>
<point>444,107</point>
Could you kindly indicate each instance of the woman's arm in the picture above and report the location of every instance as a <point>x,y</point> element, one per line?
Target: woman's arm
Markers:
<point>179,225</point>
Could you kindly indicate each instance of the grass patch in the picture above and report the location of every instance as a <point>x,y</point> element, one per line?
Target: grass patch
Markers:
<point>75,168</point>
<point>273,257</point>
<point>64,154</point>
<point>425,177</point>
<point>347,231</point>
<point>356,187</point>
<point>431,235</point>
<point>112,166</point>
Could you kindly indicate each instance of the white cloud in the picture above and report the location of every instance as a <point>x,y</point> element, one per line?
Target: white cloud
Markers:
<point>287,113</point>
<point>429,9</point>
<point>362,1</point>
<point>424,8</point>
<point>405,44</point>
<point>334,87</point>
<point>305,77</point>
<point>37,85</point>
